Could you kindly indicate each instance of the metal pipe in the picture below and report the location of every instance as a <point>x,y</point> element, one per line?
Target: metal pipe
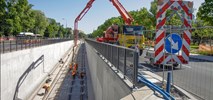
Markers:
<point>16,45</point>
<point>10,46</point>
<point>3,46</point>
<point>168,85</point>
<point>118,58</point>
<point>135,68</point>
<point>124,63</point>
<point>155,87</point>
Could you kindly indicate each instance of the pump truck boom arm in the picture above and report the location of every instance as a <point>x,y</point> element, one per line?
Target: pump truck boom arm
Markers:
<point>111,34</point>
<point>124,14</point>
<point>79,17</point>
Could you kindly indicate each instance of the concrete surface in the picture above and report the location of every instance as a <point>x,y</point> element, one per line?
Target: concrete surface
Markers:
<point>22,71</point>
<point>76,89</point>
<point>195,77</point>
<point>106,83</point>
<point>143,93</point>
<point>56,76</point>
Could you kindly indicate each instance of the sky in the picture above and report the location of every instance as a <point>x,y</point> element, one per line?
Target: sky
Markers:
<point>67,10</point>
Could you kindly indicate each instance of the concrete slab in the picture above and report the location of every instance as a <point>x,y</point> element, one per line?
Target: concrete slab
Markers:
<point>143,93</point>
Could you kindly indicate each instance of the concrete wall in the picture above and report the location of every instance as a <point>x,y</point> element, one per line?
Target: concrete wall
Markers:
<point>22,71</point>
<point>107,85</point>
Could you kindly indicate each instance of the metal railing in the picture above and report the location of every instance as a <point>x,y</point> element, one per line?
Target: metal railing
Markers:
<point>124,59</point>
<point>20,44</point>
<point>195,77</point>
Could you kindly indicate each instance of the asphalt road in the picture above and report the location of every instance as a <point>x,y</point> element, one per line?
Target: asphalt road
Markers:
<point>195,77</point>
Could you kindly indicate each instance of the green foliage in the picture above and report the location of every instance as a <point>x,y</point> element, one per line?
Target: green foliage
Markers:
<point>153,10</point>
<point>40,22</point>
<point>2,15</point>
<point>205,12</point>
<point>141,17</point>
<point>107,23</point>
<point>81,34</point>
<point>18,16</point>
<point>174,19</point>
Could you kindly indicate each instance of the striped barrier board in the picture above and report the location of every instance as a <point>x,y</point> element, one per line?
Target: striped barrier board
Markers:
<point>175,5</point>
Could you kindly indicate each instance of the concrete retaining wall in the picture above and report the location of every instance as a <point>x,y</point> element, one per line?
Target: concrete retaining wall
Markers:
<point>106,84</point>
<point>22,71</point>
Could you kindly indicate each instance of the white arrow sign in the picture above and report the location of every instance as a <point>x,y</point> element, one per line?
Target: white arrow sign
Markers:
<point>174,45</point>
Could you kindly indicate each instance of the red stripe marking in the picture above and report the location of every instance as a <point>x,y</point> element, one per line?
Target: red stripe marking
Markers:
<point>186,38</point>
<point>185,50</point>
<point>175,8</point>
<point>164,8</point>
<point>185,8</point>
<point>160,37</point>
<point>160,49</point>
<point>161,23</point>
<point>160,60</point>
<point>182,60</point>
<point>186,23</point>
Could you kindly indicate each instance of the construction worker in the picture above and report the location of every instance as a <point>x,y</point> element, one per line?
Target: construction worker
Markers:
<point>71,65</point>
<point>46,87</point>
<point>75,66</point>
<point>74,73</point>
<point>82,75</point>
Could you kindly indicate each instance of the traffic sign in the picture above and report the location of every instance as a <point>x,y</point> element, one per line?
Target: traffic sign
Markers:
<point>173,43</point>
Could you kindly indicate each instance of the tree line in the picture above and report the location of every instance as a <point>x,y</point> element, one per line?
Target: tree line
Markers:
<point>147,18</point>
<point>18,16</point>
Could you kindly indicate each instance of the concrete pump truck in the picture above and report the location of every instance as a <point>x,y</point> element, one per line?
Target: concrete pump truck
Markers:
<point>130,36</point>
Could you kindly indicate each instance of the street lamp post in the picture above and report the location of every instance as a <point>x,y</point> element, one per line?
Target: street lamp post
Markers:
<point>66,26</point>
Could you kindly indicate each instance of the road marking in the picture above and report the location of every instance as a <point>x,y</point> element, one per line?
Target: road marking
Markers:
<point>187,66</point>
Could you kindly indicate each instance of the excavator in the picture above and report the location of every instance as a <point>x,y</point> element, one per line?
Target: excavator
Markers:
<point>131,36</point>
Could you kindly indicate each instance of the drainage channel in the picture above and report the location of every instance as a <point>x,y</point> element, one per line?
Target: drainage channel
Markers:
<point>75,87</point>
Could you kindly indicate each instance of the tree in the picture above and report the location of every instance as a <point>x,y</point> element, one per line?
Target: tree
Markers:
<point>11,21</point>
<point>81,34</point>
<point>52,28</point>
<point>141,17</point>
<point>204,18</point>
<point>25,14</point>
<point>41,22</point>
<point>205,12</point>
<point>2,15</point>
<point>153,10</point>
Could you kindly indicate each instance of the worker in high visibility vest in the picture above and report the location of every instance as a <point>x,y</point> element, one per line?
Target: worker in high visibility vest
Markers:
<point>74,73</point>
<point>46,86</point>
<point>75,66</point>
<point>71,66</point>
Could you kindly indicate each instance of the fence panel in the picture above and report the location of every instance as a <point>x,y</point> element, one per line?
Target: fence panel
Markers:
<point>120,57</point>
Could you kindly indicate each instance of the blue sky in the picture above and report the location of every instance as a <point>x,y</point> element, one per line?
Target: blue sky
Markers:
<point>100,11</point>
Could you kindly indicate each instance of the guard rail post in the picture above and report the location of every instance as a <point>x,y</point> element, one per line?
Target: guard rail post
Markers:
<point>124,63</point>
<point>118,59</point>
<point>21,43</point>
<point>3,46</point>
<point>10,46</point>
<point>16,45</point>
<point>135,69</point>
<point>25,45</point>
<point>111,57</point>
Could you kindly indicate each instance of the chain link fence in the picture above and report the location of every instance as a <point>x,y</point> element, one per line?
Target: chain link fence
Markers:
<point>195,77</point>
<point>124,59</point>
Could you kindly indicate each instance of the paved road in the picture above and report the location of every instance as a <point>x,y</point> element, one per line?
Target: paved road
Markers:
<point>195,77</point>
